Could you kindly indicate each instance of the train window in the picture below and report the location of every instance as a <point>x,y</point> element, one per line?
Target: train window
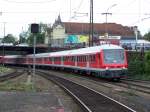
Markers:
<point>66,58</point>
<point>57,58</point>
<point>92,58</point>
<point>63,58</point>
<point>72,59</point>
<point>50,59</point>
<point>83,58</point>
<point>114,56</point>
<point>78,58</point>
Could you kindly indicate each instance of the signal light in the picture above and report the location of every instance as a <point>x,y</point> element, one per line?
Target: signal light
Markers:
<point>34,28</point>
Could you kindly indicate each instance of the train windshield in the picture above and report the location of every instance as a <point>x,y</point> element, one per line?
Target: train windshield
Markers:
<point>114,56</point>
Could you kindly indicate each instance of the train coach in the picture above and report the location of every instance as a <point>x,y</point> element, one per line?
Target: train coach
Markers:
<point>106,61</point>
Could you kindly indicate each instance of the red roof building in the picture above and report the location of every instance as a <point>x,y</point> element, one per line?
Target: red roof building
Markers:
<point>99,28</point>
<point>75,28</point>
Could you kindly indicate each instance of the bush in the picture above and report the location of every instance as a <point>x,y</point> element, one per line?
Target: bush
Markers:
<point>139,65</point>
<point>147,63</point>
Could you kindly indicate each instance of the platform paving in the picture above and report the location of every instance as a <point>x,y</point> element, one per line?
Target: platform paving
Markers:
<point>29,102</point>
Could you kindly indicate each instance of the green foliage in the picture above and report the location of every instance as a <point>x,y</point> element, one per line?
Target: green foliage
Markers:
<point>39,38</point>
<point>147,36</point>
<point>8,85</point>
<point>9,39</point>
<point>4,69</point>
<point>45,29</point>
<point>147,63</point>
<point>139,66</point>
<point>23,37</point>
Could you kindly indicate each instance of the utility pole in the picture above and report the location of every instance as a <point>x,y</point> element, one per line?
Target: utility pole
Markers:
<point>107,13</point>
<point>91,24</point>
<point>106,30</point>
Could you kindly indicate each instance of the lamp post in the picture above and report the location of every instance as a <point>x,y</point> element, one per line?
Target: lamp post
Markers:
<point>107,13</point>
<point>3,42</point>
<point>34,31</point>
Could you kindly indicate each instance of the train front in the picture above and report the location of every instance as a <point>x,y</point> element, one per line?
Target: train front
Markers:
<point>115,63</point>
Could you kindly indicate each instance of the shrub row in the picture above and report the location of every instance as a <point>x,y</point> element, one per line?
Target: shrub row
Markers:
<point>139,64</point>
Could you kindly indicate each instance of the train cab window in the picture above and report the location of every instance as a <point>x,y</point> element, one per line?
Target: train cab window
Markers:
<point>114,56</point>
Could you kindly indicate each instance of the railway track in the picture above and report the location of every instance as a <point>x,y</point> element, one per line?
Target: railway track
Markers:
<point>11,75</point>
<point>136,85</point>
<point>89,99</point>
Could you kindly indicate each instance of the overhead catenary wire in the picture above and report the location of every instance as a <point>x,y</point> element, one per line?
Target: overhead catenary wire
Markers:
<point>79,6</point>
<point>28,2</point>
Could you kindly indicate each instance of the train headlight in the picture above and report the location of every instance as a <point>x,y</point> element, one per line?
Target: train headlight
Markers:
<point>107,68</point>
<point>123,67</point>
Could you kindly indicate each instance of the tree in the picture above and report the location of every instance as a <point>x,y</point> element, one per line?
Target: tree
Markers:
<point>9,39</point>
<point>147,36</point>
<point>40,37</point>
<point>23,37</point>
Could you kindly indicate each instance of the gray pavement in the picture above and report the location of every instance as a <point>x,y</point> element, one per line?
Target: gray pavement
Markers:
<point>29,102</point>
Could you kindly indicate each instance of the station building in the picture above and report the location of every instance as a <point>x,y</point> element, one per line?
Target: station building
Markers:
<point>77,34</point>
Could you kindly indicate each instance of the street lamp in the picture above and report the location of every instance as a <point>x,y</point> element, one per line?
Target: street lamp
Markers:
<point>3,42</point>
<point>107,13</point>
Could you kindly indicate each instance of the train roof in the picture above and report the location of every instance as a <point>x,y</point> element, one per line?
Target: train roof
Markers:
<point>81,51</point>
<point>12,56</point>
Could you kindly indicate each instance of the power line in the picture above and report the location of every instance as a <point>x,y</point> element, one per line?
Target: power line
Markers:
<point>28,2</point>
<point>28,12</point>
<point>78,8</point>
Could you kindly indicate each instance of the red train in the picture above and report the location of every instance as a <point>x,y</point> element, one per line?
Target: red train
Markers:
<point>107,61</point>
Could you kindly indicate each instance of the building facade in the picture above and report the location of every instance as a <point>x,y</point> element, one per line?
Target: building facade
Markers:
<point>71,33</point>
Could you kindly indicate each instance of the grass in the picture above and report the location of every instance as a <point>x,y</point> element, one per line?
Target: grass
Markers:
<point>128,93</point>
<point>9,86</point>
<point>4,69</point>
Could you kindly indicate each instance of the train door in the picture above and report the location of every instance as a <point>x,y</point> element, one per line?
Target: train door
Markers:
<point>87,61</point>
<point>99,59</point>
<point>75,60</point>
<point>52,60</point>
<point>62,61</point>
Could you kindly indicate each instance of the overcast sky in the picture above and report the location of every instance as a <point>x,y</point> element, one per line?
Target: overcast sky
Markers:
<point>19,13</point>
